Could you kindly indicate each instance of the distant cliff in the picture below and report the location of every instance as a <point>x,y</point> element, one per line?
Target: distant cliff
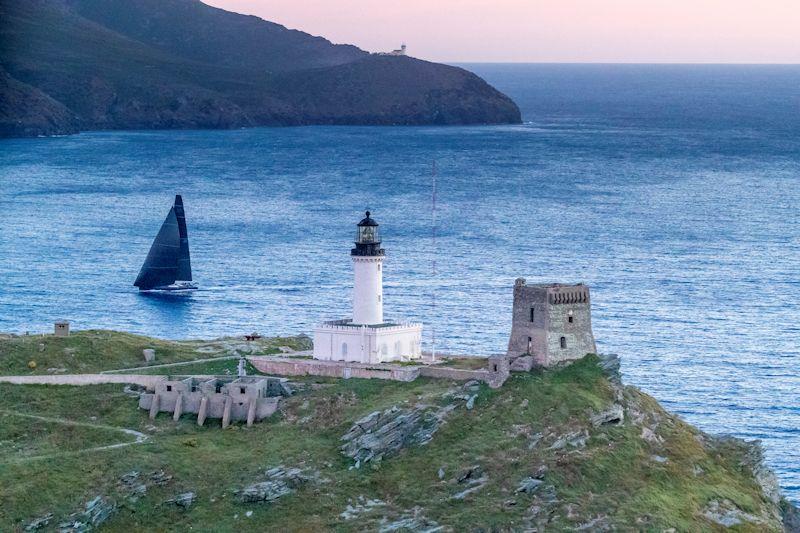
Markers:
<point>70,65</point>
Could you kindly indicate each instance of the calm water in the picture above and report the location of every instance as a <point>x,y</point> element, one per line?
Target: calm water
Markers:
<point>672,190</point>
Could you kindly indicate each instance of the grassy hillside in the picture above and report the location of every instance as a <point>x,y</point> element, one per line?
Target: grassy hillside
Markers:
<point>652,472</point>
<point>98,350</point>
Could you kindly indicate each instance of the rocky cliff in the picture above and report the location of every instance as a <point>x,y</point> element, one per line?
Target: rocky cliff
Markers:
<point>121,64</point>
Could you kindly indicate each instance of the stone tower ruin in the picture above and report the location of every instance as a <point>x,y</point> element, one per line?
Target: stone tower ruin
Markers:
<point>551,323</point>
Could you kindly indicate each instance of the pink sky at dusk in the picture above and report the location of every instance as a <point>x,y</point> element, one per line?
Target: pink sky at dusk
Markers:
<point>650,31</point>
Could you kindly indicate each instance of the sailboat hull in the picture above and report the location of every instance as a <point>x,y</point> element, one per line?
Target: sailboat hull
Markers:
<point>178,286</point>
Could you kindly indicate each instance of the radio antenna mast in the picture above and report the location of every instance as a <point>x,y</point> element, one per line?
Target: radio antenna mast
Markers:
<point>433,261</point>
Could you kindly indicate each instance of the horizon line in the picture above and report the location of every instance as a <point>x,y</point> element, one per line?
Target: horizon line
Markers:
<point>667,63</point>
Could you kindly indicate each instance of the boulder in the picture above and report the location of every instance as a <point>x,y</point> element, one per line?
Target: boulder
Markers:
<point>95,512</point>
<point>280,481</point>
<point>39,523</point>
<point>613,415</point>
<point>184,500</point>
<point>265,491</point>
<point>529,485</point>
<point>149,355</point>
<point>725,513</point>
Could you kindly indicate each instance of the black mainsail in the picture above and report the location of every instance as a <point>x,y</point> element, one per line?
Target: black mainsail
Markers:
<point>168,259</point>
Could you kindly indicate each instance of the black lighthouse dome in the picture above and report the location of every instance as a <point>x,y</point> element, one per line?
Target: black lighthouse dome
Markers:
<point>368,239</point>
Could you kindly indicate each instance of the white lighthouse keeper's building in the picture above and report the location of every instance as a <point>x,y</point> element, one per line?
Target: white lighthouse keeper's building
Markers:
<point>366,338</point>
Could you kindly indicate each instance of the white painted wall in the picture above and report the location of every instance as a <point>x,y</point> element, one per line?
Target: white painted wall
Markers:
<point>366,344</point>
<point>368,290</point>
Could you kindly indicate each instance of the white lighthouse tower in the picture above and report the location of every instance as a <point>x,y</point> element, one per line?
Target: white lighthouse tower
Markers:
<point>368,269</point>
<point>367,338</point>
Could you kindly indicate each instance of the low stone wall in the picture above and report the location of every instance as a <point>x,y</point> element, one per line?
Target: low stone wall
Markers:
<point>85,379</point>
<point>336,369</point>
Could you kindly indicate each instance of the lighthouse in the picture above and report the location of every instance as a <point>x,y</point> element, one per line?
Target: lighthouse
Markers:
<point>368,274</point>
<point>367,337</point>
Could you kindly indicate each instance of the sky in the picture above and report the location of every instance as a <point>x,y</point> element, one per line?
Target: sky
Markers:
<point>594,31</point>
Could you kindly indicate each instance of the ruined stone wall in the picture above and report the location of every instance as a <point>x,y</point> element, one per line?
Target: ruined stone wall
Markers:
<point>334,369</point>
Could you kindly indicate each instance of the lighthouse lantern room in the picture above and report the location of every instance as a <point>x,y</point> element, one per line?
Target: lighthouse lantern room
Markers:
<point>367,338</point>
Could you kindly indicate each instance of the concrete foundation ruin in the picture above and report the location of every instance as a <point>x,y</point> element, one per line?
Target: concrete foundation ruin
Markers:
<point>249,399</point>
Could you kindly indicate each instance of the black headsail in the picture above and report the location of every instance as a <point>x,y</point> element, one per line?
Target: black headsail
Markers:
<point>184,264</point>
<point>164,261</point>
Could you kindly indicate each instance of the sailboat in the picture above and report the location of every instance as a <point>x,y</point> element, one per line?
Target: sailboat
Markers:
<point>167,267</point>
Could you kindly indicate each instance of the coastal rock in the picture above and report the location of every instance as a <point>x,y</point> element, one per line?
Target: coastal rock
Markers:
<point>265,491</point>
<point>471,402</point>
<point>281,480</point>
<point>413,520</point>
<point>529,485</point>
<point>650,436</point>
<point>610,363</point>
<point>95,512</point>
<point>473,478</point>
<point>614,415</point>
<point>184,500</point>
<point>724,513</point>
<point>790,517</point>
<point>380,434</point>
<point>573,439</point>
<point>160,478</point>
<point>39,523</point>
<point>361,506</point>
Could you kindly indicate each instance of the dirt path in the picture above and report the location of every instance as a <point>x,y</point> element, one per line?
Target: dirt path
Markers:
<point>140,437</point>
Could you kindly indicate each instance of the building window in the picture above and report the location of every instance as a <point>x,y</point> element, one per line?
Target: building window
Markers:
<point>169,388</point>
<point>384,349</point>
<point>495,368</point>
<point>242,390</point>
<point>530,343</point>
<point>569,319</point>
<point>532,313</point>
<point>563,342</point>
<point>344,349</point>
<point>194,388</point>
<point>218,389</point>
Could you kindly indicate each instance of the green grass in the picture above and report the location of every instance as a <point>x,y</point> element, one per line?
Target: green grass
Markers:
<point>23,438</point>
<point>98,350</point>
<point>613,475</point>
<point>226,367</point>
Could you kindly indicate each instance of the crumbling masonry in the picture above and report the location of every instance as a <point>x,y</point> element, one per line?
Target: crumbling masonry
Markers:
<point>248,399</point>
<point>551,324</point>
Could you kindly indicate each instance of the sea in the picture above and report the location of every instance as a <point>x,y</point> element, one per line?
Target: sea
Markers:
<point>672,190</point>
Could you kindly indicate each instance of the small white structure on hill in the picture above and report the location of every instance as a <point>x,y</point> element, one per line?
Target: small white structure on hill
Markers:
<point>366,338</point>
<point>396,52</point>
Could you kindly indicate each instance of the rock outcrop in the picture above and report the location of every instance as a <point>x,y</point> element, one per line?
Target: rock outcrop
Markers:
<point>384,433</point>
